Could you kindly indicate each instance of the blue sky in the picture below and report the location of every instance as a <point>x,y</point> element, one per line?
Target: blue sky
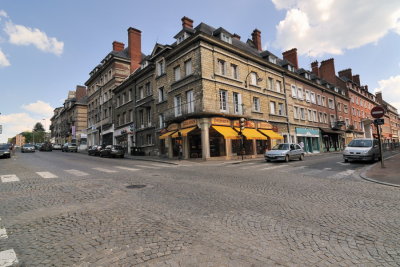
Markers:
<point>48,47</point>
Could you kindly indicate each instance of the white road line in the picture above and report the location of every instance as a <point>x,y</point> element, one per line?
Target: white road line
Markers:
<point>8,258</point>
<point>104,170</point>
<point>76,172</point>
<point>9,178</point>
<point>3,234</point>
<point>327,169</point>
<point>47,175</point>
<point>147,167</point>
<point>274,167</point>
<point>342,174</point>
<point>164,165</point>
<point>343,163</point>
<point>126,168</point>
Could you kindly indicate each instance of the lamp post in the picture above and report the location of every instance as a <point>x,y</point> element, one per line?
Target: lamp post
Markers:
<point>242,125</point>
<point>44,130</point>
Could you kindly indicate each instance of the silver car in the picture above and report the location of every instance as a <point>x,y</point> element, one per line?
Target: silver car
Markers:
<point>365,149</point>
<point>285,151</point>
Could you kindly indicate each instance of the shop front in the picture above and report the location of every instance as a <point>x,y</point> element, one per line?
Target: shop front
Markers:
<point>332,140</point>
<point>309,139</point>
<point>107,135</point>
<point>270,131</point>
<point>254,141</point>
<point>123,137</point>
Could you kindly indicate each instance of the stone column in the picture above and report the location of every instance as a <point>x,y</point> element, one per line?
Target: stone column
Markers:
<point>228,148</point>
<point>168,143</point>
<point>186,148</point>
<point>254,148</point>
<point>204,125</point>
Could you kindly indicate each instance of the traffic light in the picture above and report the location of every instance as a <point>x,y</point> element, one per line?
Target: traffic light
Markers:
<point>242,123</point>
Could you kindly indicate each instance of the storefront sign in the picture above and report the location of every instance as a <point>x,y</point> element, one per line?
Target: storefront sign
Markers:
<point>122,131</point>
<point>275,128</point>
<point>309,132</point>
<point>188,123</point>
<point>220,121</point>
<point>248,124</point>
<point>264,125</point>
<point>172,127</point>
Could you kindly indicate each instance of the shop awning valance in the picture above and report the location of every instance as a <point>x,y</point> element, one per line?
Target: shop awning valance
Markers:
<point>184,132</point>
<point>227,132</point>
<point>166,134</point>
<point>271,134</point>
<point>252,134</point>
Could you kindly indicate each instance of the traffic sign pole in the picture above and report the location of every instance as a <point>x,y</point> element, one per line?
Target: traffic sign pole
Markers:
<point>378,128</point>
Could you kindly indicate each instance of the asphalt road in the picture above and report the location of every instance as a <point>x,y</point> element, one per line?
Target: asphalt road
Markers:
<point>64,209</point>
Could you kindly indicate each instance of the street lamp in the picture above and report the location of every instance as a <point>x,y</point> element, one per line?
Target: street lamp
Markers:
<point>259,79</point>
<point>242,125</point>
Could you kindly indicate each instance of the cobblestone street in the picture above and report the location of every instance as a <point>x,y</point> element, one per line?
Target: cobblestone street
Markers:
<point>110,212</point>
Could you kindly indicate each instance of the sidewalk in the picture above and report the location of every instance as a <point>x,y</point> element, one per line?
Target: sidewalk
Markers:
<point>390,175</point>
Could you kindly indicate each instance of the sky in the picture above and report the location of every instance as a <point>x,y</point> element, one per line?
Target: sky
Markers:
<point>47,47</point>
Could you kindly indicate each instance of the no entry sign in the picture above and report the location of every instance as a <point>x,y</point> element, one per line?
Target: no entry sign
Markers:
<point>377,112</point>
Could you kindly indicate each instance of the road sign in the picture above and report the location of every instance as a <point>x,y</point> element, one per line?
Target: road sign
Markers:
<point>377,112</point>
<point>379,121</point>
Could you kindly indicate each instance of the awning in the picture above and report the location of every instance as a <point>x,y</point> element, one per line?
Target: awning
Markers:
<point>227,132</point>
<point>271,134</point>
<point>164,136</point>
<point>184,132</point>
<point>252,134</point>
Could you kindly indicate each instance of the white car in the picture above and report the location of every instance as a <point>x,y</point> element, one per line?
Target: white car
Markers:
<point>285,151</point>
<point>365,149</point>
<point>57,147</point>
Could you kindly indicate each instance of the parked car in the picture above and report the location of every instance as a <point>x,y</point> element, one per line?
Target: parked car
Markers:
<point>364,149</point>
<point>112,151</point>
<point>5,151</point>
<point>57,146</point>
<point>38,145</point>
<point>47,146</point>
<point>28,148</point>
<point>285,151</point>
<point>94,150</point>
<point>69,147</point>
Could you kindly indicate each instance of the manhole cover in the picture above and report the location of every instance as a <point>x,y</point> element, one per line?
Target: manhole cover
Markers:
<point>135,186</point>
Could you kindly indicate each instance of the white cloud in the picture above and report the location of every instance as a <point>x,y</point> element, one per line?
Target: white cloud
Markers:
<point>22,35</point>
<point>15,123</point>
<point>390,89</point>
<point>3,60</point>
<point>3,14</point>
<point>317,27</point>
<point>40,108</point>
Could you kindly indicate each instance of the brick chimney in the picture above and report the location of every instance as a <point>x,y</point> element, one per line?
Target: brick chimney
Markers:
<point>314,68</point>
<point>327,70</point>
<point>80,92</point>
<point>135,47</point>
<point>256,36</point>
<point>236,36</point>
<point>356,79</point>
<point>118,46</point>
<point>187,23</point>
<point>379,98</point>
<point>346,73</point>
<point>291,56</point>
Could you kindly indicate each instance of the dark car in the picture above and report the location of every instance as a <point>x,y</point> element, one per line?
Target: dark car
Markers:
<point>5,151</point>
<point>94,150</point>
<point>112,151</point>
<point>69,147</point>
<point>28,148</point>
<point>46,147</point>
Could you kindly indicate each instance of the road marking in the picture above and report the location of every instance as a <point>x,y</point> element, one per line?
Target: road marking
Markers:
<point>3,234</point>
<point>104,170</point>
<point>8,258</point>
<point>126,168</point>
<point>343,163</point>
<point>47,175</point>
<point>9,178</point>
<point>147,167</point>
<point>327,169</point>
<point>76,172</point>
<point>274,167</point>
<point>342,174</point>
<point>164,165</point>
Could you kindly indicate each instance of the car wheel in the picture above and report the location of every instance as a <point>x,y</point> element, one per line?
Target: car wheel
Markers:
<point>122,156</point>
<point>346,160</point>
<point>268,160</point>
<point>301,157</point>
<point>287,158</point>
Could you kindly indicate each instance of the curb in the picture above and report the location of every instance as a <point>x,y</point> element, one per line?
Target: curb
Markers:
<point>364,176</point>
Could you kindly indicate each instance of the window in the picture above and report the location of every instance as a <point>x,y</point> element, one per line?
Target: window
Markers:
<point>278,86</point>
<point>141,93</point>
<point>123,98</point>
<point>294,91</point>
<point>315,118</point>
<point>302,114</point>
<point>221,67</point>
<point>124,118</point>
<point>332,119</point>
<point>177,105</point>
<point>237,103</point>
<point>319,100</point>
<point>310,115</point>
<point>149,140</point>
<point>131,115</point>
<point>347,121</point>
<point>161,96</point>
<point>118,101</point>
<point>296,112</point>
<point>235,72</point>
<point>281,110</point>
<point>324,101</point>
<point>253,78</point>
<point>141,118</point>
<point>190,101</point>
<point>331,105</point>
<point>161,120</point>
<point>226,38</point>
<point>312,94</point>
<point>256,104</point>
<point>160,67</point>
<point>352,99</point>
<point>177,73</point>
<point>354,111</point>
<point>357,100</point>
<point>345,108</point>
<point>308,97</point>
<point>339,106</point>
<point>148,89</point>
<point>188,67</point>
<point>300,93</point>
<point>118,119</point>
<point>223,100</point>
<point>270,83</point>
<point>148,119</point>
<point>325,118</point>
<point>272,107</point>
<point>130,94</point>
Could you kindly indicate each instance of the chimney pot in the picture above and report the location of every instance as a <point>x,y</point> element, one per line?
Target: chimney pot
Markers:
<point>236,36</point>
<point>187,23</point>
<point>135,48</point>
<point>291,56</point>
<point>118,46</point>
<point>356,79</point>
<point>256,36</point>
<point>346,73</point>
<point>327,70</point>
<point>314,68</point>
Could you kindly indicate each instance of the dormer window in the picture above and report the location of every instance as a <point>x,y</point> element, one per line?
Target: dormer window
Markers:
<point>144,64</point>
<point>272,60</point>
<point>290,67</point>
<point>336,90</point>
<point>226,38</point>
<point>327,85</point>
<point>307,76</point>
<point>181,38</point>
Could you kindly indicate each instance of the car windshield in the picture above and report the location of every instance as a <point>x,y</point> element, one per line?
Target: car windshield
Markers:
<point>72,144</point>
<point>28,145</point>
<point>281,147</point>
<point>118,147</point>
<point>360,143</point>
<point>3,146</point>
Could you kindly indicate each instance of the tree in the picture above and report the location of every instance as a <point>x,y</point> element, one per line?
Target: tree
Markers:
<point>38,127</point>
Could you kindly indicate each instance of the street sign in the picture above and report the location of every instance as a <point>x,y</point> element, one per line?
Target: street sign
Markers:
<point>377,112</point>
<point>379,121</point>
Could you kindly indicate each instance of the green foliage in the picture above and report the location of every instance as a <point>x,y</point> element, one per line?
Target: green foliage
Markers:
<point>38,127</point>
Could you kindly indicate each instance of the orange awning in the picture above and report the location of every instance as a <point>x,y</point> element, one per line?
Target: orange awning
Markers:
<point>184,132</point>
<point>227,132</point>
